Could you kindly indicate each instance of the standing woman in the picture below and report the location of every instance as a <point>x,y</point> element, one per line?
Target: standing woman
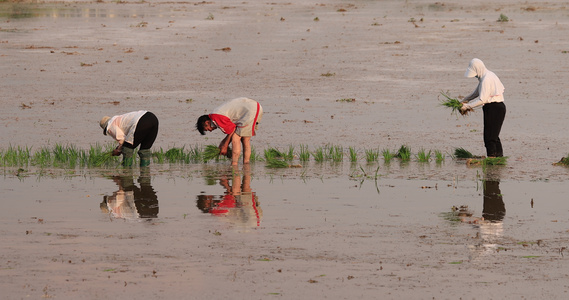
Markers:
<point>490,95</point>
<point>130,130</point>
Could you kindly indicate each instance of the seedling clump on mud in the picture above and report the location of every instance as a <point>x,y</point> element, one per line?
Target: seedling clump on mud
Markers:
<point>462,153</point>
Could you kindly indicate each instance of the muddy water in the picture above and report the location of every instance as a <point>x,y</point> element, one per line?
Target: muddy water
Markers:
<point>335,231</point>
<point>322,230</point>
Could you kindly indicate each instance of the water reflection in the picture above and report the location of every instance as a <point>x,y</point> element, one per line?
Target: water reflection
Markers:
<point>24,11</point>
<point>130,201</point>
<point>494,208</point>
<point>238,205</point>
<point>491,226</point>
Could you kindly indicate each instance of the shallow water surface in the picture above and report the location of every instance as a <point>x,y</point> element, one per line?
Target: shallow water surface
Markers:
<point>178,222</point>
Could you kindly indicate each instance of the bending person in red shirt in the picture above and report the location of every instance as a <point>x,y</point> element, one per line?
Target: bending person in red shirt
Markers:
<point>238,119</point>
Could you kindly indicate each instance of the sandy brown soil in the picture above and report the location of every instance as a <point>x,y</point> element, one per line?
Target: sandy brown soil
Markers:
<point>66,64</point>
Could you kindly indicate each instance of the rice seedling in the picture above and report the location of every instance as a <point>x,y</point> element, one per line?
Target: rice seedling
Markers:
<point>462,153</point>
<point>353,154</point>
<point>42,157</point>
<point>304,154</point>
<point>439,156</point>
<point>59,154</point>
<point>372,155</point>
<point>73,156</point>
<point>336,153</point>
<point>290,154</point>
<point>66,156</point>
<point>210,152</point>
<point>276,163</point>
<point>99,157</point>
<point>387,155</point>
<point>16,156</point>
<point>453,103</point>
<point>176,154</point>
<point>503,18</point>
<point>254,155</point>
<point>404,153</point>
<point>193,155</point>
<point>271,153</point>
<point>423,156</point>
<point>318,154</point>
<point>159,156</point>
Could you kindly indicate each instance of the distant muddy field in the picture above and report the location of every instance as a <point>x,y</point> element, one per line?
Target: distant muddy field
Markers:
<point>362,74</point>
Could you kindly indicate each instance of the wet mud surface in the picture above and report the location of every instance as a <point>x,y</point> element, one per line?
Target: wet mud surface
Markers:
<point>340,231</point>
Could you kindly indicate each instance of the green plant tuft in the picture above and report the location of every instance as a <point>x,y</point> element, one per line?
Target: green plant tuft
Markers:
<point>462,153</point>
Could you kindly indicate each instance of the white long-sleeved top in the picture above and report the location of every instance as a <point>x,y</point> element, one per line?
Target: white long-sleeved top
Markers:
<point>122,127</point>
<point>489,89</point>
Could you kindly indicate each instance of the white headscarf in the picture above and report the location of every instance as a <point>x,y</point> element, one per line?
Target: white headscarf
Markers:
<point>490,85</point>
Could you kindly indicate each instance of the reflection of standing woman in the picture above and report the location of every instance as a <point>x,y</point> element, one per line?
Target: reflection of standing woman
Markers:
<point>490,94</point>
<point>130,130</point>
<point>494,208</point>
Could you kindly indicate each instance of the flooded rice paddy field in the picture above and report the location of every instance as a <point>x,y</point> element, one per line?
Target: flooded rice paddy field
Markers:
<point>319,231</point>
<point>326,230</point>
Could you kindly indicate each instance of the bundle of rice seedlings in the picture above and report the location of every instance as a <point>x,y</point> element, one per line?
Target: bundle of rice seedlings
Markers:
<point>488,161</point>
<point>495,161</point>
<point>404,153</point>
<point>210,152</point>
<point>455,104</point>
<point>563,162</point>
<point>276,163</point>
<point>462,153</point>
<point>272,153</point>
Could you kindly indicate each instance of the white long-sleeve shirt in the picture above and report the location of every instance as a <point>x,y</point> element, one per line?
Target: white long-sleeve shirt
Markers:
<point>122,127</point>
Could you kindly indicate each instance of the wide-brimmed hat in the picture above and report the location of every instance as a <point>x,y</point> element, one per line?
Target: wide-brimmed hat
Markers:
<point>103,123</point>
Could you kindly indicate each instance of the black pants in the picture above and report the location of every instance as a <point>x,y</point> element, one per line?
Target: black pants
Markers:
<point>494,114</point>
<point>146,132</point>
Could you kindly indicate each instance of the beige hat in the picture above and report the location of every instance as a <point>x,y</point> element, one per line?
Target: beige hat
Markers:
<point>103,123</point>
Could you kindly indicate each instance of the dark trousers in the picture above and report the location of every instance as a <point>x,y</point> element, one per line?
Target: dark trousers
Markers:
<point>494,114</point>
<point>146,132</point>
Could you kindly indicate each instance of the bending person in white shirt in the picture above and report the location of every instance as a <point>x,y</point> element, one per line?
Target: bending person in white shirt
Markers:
<point>490,95</point>
<point>130,130</point>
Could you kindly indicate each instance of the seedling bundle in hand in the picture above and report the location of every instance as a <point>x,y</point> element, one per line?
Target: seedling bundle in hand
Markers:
<point>455,104</point>
<point>213,152</point>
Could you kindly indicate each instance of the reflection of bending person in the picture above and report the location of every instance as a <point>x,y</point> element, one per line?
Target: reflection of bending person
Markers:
<point>239,204</point>
<point>130,201</point>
